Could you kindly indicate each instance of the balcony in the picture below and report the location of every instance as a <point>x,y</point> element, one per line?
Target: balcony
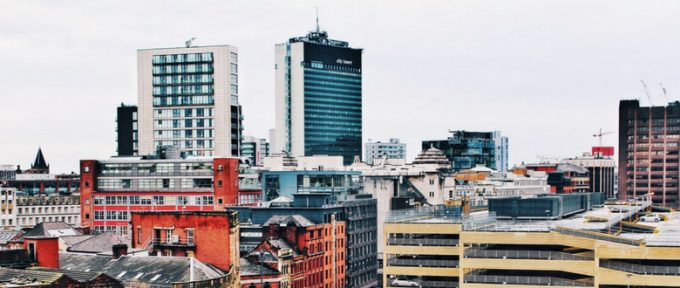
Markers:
<point>173,242</point>
<point>524,280</point>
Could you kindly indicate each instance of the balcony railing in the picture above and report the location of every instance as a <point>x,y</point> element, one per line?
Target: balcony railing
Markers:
<point>521,254</point>
<point>641,269</point>
<point>423,263</point>
<point>422,242</point>
<point>524,280</point>
<point>173,242</point>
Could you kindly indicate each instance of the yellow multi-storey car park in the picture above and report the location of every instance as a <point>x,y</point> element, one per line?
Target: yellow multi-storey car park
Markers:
<point>606,246</point>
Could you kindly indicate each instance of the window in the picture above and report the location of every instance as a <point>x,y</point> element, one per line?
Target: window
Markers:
<point>190,236</point>
<point>158,200</point>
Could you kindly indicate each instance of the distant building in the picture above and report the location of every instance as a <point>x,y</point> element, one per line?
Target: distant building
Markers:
<point>339,184</point>
<point>8,213</point>
<point>127,136</point>
<point>188,97</point>
<point>318,97</point>
<point>601,170</point>
<point>210,237</point>
<point>7,172</point>
<point>37,180</point>
<point>649,152</point>
<point>467,149</point>
<point>562,177</point>
<point>254,149</point>
<point>390,150</point>
<point>111,189</point>
<point>32,210</point>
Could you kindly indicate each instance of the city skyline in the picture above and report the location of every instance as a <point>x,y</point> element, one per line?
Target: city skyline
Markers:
<point>444,74</point>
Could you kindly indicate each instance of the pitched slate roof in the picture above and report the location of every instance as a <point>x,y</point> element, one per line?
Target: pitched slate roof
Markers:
<point>79,276</point>
<point>8,235</point>
<point>98,243</point>
<point>154,270</point>
<point>71,240</point>
<point>28,277</point>
<point>248,268</point>
<point>51,229</point>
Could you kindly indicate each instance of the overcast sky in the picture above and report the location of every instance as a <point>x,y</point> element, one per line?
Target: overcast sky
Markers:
<point>546,73</point>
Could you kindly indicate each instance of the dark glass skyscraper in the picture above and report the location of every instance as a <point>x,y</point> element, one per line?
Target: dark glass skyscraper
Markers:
<point>318,97</point>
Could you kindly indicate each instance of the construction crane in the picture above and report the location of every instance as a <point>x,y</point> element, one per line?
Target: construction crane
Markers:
<point>663,90</point>
<point>646,90</point>
<point>601,133</point>
<point>188,42</point>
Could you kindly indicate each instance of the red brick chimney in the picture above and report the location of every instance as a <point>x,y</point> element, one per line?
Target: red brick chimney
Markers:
<point>119,250</point>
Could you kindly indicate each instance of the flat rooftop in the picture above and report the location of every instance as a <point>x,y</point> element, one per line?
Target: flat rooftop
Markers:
<point>609,222</point>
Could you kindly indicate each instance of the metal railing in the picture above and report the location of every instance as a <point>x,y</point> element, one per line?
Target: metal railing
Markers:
<point>641,269</point>
<point>524,280</point>
<point>521,254</point>
<point>597,236</point>
<point>173,242</point>
<point>422,242</point>
<point>423,263</point>
<point>426,283</point>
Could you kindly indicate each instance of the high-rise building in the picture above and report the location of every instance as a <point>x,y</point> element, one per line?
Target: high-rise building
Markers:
<point>318,97</point>
<point>649,151</point>
<point>272,141</point>
<point>255,149</point>
<point>467,149</point>
<point>501,151</point>
<point>126,130</point>
<point>390,150</point>
<point>188,97</point>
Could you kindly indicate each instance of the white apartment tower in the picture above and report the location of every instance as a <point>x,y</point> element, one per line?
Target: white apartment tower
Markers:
<point>188,97</point>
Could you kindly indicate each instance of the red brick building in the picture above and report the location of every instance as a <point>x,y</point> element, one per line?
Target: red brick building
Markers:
<point>211,237</point>
<point>305,254</point>
<point>111,189</point>
<point>563,177</point>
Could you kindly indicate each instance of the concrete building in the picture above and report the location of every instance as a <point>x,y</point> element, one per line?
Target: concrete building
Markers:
<point>113,188</point>
<point>188,97</point>
<point>649,151</point>
<point>433,248</point>
<point>127,135</point>
<point>254,149</point>
<point>210,237</point>
<point>601,170</point>
<point>32,210</point>
<point>318,97</point>
<point>390,150</point>
<point>466,149</point>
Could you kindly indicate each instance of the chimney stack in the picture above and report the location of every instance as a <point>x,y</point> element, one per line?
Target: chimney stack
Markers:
<point>119,250</point>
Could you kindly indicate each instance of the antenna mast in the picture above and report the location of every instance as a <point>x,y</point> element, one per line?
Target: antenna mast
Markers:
<point>317,20</point>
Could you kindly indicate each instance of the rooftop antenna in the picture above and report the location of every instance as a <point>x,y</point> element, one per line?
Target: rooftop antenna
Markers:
<point>317,20</point>
<point>188,42</point>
